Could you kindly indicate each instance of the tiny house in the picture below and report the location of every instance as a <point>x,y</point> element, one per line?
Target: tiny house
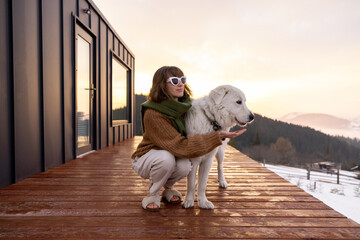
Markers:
<point>66,87</point>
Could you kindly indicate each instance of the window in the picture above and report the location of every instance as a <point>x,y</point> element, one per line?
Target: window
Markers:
<point>84,91</point>
<point>83,104</point>
<point>120,104</point>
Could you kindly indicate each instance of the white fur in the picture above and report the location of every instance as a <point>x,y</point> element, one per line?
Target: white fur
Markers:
<point>220,105</point>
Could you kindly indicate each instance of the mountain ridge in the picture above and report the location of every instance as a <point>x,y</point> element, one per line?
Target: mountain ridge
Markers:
<point>326,123</point>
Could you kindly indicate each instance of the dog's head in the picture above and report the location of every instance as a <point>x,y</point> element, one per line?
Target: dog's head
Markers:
<point>231,101</point>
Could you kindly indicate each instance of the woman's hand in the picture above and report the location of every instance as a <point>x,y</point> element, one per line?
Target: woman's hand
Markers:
<point>231,134</point>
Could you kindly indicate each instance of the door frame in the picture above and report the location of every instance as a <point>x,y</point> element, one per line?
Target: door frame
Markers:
<point>85,33</point>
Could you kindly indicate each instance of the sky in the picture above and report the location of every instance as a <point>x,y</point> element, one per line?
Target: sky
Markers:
<point>286,55</point>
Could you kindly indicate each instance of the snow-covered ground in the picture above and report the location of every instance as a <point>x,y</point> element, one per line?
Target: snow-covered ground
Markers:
<point>343,197</point>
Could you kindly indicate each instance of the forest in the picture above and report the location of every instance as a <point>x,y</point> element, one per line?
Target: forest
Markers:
<point>278,142</point>
<point>294,145</point>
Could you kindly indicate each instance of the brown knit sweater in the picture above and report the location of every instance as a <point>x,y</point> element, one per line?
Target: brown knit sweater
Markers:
<point>161,134</point>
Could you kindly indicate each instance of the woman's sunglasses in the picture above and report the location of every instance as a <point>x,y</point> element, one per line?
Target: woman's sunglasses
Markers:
<point>176,80</point>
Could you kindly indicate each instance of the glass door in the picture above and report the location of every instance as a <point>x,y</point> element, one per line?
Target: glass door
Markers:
<point>85,92</point>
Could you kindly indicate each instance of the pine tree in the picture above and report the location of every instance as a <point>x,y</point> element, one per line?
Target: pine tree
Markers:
<point>257,139</point>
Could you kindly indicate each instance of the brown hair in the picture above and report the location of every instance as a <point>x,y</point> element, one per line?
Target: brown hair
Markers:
<point>157,91</point>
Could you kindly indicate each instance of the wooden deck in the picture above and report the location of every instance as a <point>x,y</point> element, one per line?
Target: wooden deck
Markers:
<point>99,195</point>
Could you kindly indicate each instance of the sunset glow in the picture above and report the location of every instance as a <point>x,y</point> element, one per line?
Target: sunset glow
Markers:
<point>286,56</point>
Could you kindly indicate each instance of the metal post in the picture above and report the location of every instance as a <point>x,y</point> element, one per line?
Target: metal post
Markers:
<point>338,176</point>
<point>308,174</point>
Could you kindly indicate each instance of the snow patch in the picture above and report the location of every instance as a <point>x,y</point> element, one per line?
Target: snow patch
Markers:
<point>343,197</point>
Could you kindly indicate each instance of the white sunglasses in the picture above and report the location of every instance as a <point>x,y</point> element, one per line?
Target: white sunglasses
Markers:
<point>176,80</point>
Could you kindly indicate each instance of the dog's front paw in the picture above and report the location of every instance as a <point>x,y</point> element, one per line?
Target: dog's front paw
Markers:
<point>188,203</point>
<point>206,204</point>
<point>222,183</point>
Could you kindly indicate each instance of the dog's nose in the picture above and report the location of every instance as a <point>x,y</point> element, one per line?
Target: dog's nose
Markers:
<point>251,117</point>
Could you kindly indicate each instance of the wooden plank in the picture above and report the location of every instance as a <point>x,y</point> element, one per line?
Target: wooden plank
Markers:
<point>171,221</point>
<point>118,167</point>
<point>180,212</point>
<point>120,175</point>
<point>132,198</point>
<point>125,182</point>
<point>129,188</point>
<point>163,232</point>
<point>223,193</point>
<point>21,207</point>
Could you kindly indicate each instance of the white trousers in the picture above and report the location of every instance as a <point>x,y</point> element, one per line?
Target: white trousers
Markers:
<point>161,168</point>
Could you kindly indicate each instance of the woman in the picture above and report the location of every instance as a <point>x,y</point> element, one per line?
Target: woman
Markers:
<point>163,155</point>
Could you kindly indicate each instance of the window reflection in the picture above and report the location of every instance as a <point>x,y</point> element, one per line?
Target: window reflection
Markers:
<point>119,92</point>
<point>82,94</point>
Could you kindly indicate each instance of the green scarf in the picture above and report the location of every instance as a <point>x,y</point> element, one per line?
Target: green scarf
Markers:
<point>173,110</point>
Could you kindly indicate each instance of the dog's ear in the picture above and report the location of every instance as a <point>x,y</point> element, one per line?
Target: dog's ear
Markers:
<point>218,94</point>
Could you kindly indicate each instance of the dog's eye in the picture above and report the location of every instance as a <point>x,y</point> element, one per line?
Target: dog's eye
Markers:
<point>239,102</point>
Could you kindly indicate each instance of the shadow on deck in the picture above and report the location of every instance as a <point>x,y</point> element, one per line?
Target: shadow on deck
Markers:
<point>99,197</point>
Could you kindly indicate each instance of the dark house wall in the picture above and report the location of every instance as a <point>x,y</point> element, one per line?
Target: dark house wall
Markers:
<point>28,87</point>
<point>6,97</point>
<point>37,83</point>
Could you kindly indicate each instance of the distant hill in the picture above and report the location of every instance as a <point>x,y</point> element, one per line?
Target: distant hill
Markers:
<point>310,144</point>
<point>325,123</point>
<point>317,120</point>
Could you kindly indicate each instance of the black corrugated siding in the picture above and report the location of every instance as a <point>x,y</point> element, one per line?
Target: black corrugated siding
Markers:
<point>27,89</point>
<point>6,96</point>
<point>38,79</point>
<point>103,85</point>
<point>52,83</point>
<point>69,7</point>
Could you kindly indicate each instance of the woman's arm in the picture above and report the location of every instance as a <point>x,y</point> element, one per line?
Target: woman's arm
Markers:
<point>162,133</point>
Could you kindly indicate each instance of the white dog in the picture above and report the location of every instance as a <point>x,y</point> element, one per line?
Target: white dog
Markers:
<point>222,109</point>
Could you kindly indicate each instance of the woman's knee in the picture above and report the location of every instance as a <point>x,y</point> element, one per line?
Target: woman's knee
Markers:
<point>183,167</point>
<point>165,161</point>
